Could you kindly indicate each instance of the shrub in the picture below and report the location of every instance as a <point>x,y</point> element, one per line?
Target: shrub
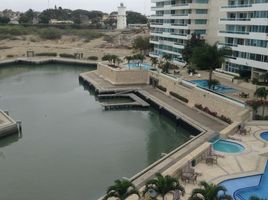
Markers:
<point>66,55</point>
<point>160,87</point>
<point>93,58</point>
<point>185,100</point>
<point>48,54</point>
<point>225,119</point>
<point>50,34</point>
<point>214,114</point>
<point>10,56</point>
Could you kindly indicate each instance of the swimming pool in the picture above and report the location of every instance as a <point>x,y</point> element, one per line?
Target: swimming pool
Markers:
<point>264,135</point>
<point>227,146</point>
<point>144,66</point>
<point>246,187</point>
<point>219,88</point>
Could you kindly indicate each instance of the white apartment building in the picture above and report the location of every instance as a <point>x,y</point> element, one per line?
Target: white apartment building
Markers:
<point>216,21</point>
<point>246,32</point>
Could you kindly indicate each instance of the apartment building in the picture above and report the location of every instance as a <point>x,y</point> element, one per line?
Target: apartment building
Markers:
<point>246,32</point>
<point>240,24</point>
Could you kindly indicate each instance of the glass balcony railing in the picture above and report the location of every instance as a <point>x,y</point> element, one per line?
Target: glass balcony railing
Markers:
<point>235,19</point>
<point>238,6</point>
<point>235,32</point>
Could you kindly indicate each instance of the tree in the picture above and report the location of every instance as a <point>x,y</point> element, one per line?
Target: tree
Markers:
<point>128,58</point>
<point>139,57</point>
<point>213,83</point>
<point>166,66</point>
<point>262,94</point>
<point>163,185</point>
<point>27,17</point>
<point>194,42</point>
<point>136,18</point>
<point>167,57</point>
<point>111,58</point>
<point>4,20</point>
<point>154,61</point>
<point>142,44</point>
<point>121,189</point>
<point>209,57</point>
<point>209,192</point>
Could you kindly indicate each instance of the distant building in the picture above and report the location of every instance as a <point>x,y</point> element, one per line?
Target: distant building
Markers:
<point>55,21</point>
<point>122,17</point>
<point>137,26</point>
<point>12,21</point>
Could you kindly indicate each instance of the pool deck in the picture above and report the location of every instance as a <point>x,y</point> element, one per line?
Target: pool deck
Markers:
<point>251,162</point>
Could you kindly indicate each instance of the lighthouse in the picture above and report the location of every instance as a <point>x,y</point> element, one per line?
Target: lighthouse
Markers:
<point>122,17</point>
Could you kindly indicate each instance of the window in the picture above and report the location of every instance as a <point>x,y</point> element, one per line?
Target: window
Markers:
<point>201,11</point>
<point>200,21</point>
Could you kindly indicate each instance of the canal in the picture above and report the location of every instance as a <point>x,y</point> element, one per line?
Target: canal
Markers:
<point>70,148</point>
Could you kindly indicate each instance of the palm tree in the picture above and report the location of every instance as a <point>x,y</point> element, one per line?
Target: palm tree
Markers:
<point>213,83</point>
<point>163,185</point>
<point>154,61</point>
<point>167,57</point>
<point>209,192</point>
<point>209,57</point>
<point>262,94</point>
<point>121,190</point>
<point>128,58</point>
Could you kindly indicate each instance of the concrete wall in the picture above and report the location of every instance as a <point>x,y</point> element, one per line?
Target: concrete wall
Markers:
<point>222,105</point>
<point>122,76</point>
<point>195,95</point>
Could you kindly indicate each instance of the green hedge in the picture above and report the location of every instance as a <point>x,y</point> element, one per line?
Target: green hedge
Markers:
<point>179,97</point>
<point>160,87</point>
<point>48,54</point>
<point>66,55</point>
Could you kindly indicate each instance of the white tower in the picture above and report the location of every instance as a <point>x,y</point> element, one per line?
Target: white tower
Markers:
<point>122,17</point>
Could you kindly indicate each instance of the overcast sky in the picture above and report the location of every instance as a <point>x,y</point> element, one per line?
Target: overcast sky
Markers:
<point>142,6</point>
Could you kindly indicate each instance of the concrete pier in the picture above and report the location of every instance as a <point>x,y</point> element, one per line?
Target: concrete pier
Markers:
<point>136,102</point>
<point>7,125</point>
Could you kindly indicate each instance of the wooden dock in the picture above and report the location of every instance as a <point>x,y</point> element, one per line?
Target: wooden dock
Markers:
<point>137,102</point>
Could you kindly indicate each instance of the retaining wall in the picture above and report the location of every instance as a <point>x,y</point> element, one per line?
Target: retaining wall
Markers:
<point>220,104</point>
<point>121,76</point>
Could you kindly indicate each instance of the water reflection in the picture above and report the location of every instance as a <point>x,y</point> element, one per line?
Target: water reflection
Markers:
<point>9,140</point>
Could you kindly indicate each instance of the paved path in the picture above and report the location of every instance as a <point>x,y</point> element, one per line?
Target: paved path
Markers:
<point>197,116</point>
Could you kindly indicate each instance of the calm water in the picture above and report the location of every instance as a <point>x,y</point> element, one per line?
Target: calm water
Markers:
<point>70,148</point>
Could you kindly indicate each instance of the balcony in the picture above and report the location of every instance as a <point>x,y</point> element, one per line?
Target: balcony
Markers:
<point>238,6</point>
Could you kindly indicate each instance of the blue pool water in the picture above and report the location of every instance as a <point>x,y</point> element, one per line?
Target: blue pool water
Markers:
<point>144,66</point>
<point>219,88</point>
<point>246,187</point>
<point>226,146</point>
<point>265,136</point>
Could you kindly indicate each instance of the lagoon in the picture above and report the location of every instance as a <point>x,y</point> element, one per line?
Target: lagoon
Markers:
<point>70,148</point>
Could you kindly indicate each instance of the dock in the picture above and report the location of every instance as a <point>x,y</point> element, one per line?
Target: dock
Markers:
<point>7,125</point>
<point>137,102</point>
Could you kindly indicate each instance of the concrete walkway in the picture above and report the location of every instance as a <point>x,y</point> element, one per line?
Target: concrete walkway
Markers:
<point>207,122</point>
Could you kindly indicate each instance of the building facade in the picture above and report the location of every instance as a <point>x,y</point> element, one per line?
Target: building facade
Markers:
<point>240,24</point>
<point>246,33</point>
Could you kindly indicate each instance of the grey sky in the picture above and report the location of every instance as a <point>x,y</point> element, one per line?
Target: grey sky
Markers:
<point>142,6</point>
